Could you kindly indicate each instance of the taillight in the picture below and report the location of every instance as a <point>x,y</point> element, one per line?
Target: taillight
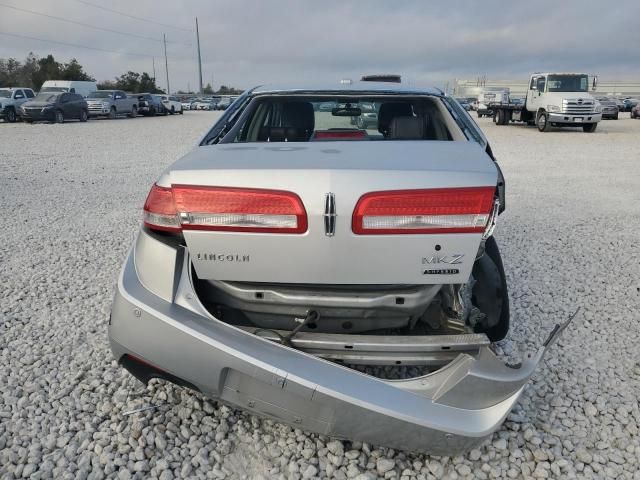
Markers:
<point>226,209</point>
<point>160,211</point>
<point>438,210</point>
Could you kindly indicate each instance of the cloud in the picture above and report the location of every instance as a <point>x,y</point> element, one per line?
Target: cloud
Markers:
<point>245,43</point>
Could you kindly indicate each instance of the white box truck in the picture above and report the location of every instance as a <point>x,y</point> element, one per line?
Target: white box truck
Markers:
<point>553,100</point>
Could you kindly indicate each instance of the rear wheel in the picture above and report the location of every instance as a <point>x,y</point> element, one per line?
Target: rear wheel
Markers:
<point>493,302</point>
<point>84,115</point>
<point>59,116</point>
<point>543,122</point>
<point>502,117</point>
<point>112,113</point>
<point>134,112</point>
<point>589,127</point>
<point>11,115</point>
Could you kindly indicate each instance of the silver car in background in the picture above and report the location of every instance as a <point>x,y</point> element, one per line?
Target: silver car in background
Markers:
<point>339,279</point>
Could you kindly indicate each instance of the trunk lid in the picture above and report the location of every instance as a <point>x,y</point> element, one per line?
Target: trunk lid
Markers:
<point>348,170</point>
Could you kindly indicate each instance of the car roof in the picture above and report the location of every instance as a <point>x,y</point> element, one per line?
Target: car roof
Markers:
<point>358,87</point>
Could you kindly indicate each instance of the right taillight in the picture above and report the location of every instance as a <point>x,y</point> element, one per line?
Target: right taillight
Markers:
<point>438,210</point>
<point>192,207</point>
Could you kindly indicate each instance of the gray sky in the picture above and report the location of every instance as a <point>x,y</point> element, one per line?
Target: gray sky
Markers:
<point>245,43</point>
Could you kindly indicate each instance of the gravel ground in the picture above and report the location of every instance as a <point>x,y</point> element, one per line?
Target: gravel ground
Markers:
<point>72,196</point>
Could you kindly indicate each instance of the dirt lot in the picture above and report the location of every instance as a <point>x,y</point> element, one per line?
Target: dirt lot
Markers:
<point>72,197</point>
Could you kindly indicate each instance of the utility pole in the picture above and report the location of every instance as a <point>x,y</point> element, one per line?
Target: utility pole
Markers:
<point>199,58</point>
<point>153,59</point>
<point>166,63</point>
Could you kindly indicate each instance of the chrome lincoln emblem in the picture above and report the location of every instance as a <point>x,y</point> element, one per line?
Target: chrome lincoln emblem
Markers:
<point>329,214</point>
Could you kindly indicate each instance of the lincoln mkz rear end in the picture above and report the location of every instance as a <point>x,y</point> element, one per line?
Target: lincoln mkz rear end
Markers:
<point>339,279</point>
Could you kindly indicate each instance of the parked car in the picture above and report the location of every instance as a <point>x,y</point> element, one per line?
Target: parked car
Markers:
<point>629,103</point>
<point>223,103</point>
<point>620,103</point>
<point>464,103</point>
<point>54,107</point>
<point>10,101</point>
<point>110,103</point>
<point>186,104</point>
<point>205,103</point>
<point>149,104</point>
<point>171,104</point>
<point>72,86</point>
<point>635,111</point>
<point>368,115</point>
<point>269,276</point>
<point>609,109</point>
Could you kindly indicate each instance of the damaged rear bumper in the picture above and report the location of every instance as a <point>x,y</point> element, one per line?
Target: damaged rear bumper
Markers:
<point>157,319</point>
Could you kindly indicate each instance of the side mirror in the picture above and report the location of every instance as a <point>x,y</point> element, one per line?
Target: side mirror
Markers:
<point>595,83</point>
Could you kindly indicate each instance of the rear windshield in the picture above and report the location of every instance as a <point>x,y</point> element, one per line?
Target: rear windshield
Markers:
<point>323,118</point>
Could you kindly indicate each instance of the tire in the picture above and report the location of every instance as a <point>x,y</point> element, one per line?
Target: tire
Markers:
<point>616,117</point>
<point>486,297</point>
<point>181,111</point>
<point>134,112</point>
<point>84,115</point>
<point>479,115</point>
<point>11,115</point>
<point>112,113</point>
<point>164,112</point>
<point>152,112</point>
<point>589,127</point>
<point>173,110</point>
<point>59,116</point>
<point>501,117</point>
<point>542,122</point>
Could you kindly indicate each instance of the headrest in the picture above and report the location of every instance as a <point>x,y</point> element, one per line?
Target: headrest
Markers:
<point>390,110</point>
<point>407,128</point>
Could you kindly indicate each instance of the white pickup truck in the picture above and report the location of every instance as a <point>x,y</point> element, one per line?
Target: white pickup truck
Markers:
<point>553,100</point>
<point>11,99</point>
<point>111,103</point>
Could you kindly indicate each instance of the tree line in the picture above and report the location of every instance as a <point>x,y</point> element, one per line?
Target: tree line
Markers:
<point>33,71</point>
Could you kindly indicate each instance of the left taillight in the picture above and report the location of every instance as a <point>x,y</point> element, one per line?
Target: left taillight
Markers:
<point>160,211</point>
<point>190,207</point>
<point>439,210</point>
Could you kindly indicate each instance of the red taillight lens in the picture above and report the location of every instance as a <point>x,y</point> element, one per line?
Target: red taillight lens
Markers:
<point>160,211</point>
<point>438,210</point>
<point>225,209</point>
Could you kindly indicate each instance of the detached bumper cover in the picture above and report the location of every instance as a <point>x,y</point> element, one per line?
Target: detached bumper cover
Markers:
<point>448,411</point>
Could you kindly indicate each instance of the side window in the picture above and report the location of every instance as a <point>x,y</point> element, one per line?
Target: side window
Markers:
<point>29,93</point>
<point>64,98</point>
<point>18,94</point>
<point>540,84</point>
<point>532,85</point>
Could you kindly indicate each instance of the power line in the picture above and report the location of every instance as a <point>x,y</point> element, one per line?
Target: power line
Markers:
<point>131,16</point>
<point>75,22</point>
<point>76,45</point>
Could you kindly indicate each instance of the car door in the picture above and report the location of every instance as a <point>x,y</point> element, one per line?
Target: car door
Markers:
<point>119,100</point>
<point>19,97</point>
